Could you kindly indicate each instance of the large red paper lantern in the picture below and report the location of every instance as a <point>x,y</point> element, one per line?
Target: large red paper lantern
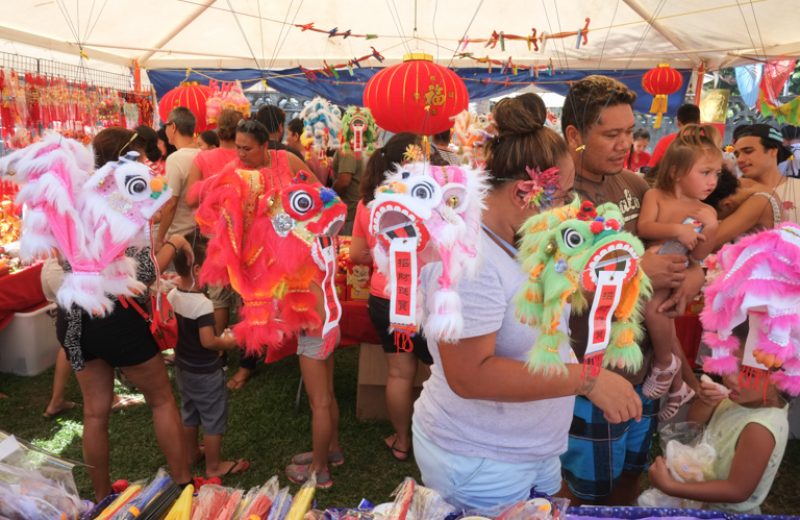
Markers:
<point>190,95</point>
<point>416,96</point>
<point>661,82</point>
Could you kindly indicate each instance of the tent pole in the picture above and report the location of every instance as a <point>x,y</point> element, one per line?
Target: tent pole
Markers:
<point>701,72</point>
<point>173,33</point>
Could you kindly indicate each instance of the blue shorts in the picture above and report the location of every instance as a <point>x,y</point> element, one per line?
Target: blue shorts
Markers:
<point>478,484</point>
<point>598,452</point>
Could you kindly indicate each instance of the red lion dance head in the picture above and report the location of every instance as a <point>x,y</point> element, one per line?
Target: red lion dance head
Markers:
<point>273,248</point>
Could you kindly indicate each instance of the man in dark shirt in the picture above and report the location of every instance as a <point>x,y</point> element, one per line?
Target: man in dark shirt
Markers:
<point>603,461</point>
<point>273,118</point>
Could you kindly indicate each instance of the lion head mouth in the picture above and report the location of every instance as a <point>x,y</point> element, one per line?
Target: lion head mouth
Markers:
<point>391,220</point>
<point>616,256</point>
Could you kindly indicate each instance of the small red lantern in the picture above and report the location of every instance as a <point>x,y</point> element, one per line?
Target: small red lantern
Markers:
<point>190,95</point>
<point>661,82</point>
<point>416,96</point>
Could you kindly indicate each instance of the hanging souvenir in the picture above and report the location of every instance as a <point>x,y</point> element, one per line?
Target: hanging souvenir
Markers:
<point>322,125</point>
<point>89,218</point>
<point>359,131</point>
<point>423,213</point>
<point>569,250</point>
<point>271,245</point>
<point>758,281</point>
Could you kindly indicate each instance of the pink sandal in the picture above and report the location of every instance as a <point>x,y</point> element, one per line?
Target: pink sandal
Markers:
<point>655,385</point>
<point>674,402</point>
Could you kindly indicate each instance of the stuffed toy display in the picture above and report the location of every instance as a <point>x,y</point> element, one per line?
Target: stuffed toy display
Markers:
<point>423,213</point>
<point>359,131</point>
<point>271,245</point>
<point>322,123</point>
<point>759,281</point>
<point>89,218</point>
<point>577,248</point>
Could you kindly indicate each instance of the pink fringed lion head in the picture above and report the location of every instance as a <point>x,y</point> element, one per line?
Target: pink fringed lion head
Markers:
<point>90,218</point>
<point>759,279</point>
<point>424,214</point>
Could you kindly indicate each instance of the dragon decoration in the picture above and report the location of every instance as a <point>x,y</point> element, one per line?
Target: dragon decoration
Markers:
<point>423,213</point>
<point>89,217</point>
<point>569,250</point>
<point>757,279</point>
<point>359,131</point>
<point>322,123</point>
<point>271,245</point>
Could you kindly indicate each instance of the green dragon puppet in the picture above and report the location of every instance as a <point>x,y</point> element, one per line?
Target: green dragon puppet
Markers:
<point>567,251</point>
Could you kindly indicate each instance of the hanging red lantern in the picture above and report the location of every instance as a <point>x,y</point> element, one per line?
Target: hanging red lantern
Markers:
<point>661,82</point>
<point>416,96</point>
<point>190,95</point>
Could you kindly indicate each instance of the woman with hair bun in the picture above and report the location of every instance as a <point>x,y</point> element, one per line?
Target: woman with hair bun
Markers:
<point>485,429</point>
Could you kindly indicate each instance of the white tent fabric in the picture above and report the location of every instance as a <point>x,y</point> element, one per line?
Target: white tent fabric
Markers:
<point>261,33</point>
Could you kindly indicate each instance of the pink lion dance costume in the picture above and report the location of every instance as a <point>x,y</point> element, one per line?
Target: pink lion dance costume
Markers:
<point>759,280</point>
<point>90,218</point>
<point>421,214</point>
<point>271,246</point>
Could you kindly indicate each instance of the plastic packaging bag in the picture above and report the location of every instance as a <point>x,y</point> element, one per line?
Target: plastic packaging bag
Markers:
<point>302,500</point>
<point>148,495</point>
<point>280,507</point>
<point>539,508</point>
<point>689,459</point>
<point>403,496</point>
<point>257,501</point>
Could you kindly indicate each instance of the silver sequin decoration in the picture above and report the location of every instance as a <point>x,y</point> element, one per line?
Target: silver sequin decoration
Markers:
<point>283,224</point>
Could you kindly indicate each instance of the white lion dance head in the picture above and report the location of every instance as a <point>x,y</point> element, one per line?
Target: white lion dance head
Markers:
<point>422,214</point>
<point>322,123</point>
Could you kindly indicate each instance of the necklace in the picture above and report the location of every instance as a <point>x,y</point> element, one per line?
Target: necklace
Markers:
<point>508,248</point>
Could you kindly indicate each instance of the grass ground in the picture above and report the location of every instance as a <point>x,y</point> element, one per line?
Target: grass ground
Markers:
<point>264,428</point>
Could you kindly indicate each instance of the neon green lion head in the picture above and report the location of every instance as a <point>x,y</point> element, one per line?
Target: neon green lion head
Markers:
<point>567,251</point>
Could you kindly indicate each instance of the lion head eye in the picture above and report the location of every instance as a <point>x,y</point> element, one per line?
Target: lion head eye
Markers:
<point>572,238</point>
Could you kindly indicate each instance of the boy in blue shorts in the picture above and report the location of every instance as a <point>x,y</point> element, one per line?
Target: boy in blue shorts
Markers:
<point>199,365</point>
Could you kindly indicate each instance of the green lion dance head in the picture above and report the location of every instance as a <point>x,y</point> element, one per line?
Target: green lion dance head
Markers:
<point>567,251</point>
<point>359,131</point>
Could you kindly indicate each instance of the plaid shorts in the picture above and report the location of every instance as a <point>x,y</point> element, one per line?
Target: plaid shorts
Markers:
<point>598,452</point>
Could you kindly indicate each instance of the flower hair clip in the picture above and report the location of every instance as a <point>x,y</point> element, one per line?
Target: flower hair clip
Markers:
<point>413,153</point>
<point>541,189</point>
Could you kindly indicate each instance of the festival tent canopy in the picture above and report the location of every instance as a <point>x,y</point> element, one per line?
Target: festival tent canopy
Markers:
<point>269,34</point>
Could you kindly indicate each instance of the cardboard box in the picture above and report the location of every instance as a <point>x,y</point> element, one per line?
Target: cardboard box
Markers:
<point>28,346</point>
<point>371,392</point>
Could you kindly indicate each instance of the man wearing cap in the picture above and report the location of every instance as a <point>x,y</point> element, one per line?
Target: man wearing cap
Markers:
<point>758,149</point>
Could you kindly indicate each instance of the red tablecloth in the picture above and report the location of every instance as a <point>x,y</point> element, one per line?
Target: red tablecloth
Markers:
<point>20,292</point>
<point>355,327</point>
<point>689,330</point>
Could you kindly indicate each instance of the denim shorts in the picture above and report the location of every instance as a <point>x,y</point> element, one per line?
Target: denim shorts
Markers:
<point>478,484</point>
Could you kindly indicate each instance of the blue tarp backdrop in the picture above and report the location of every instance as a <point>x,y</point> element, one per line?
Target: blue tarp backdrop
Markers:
<point>348,90</point>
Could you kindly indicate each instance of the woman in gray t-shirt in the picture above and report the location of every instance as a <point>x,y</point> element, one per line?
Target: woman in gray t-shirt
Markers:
<point>486,430</point>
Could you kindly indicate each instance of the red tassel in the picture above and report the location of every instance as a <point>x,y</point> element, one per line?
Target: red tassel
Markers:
<point>593,363</point>
<point>751,377</point>
<point>402,341</point>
